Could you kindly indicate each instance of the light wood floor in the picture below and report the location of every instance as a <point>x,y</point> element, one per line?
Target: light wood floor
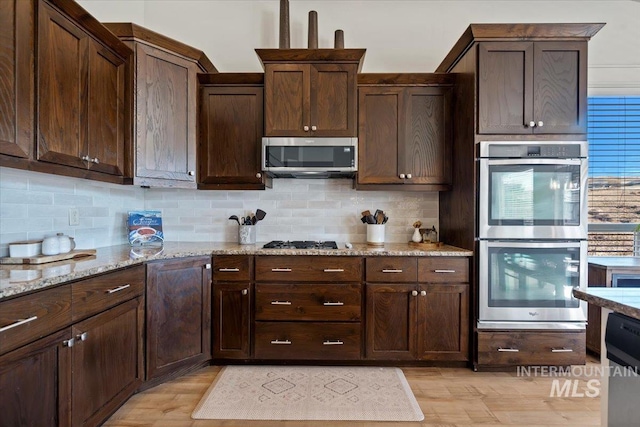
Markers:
<point>447,396</point>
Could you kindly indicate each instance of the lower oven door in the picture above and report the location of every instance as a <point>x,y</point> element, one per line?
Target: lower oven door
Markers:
<point>532,281</point>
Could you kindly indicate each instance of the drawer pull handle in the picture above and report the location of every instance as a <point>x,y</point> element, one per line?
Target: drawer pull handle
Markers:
<point>392,270</point>
<point>281,270</point>
<point>18,323</point>
<point>280,302</point>
<point>444,271</point>
<point>333,270</point>
<point>228,270</point>
<point>281,342</point>
<point>561,350</point>
<point>118,289</point>
<point>336,342</point>
<point>508,350</point>
<point>333,303</point>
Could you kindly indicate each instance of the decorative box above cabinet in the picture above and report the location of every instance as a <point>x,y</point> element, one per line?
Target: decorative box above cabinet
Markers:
<point>404,131</point>
<point>311,92</point>
<point>164,83</point>
<point>230,132</point>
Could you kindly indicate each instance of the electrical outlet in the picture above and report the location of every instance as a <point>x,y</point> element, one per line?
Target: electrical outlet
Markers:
<point>74,216</point>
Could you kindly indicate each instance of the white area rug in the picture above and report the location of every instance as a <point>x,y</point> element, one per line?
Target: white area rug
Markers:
<point>309,393</point>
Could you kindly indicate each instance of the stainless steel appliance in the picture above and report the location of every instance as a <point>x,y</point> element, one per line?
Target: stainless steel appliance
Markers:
<point>300,244</point>
<point>532,232</point>
<point>622,340</point>
<point>533,190</point>
<point>310,157</point>
<point>532,282</point>
<point>619,280</point>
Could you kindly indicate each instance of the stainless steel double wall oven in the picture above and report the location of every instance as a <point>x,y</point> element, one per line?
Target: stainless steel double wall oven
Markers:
<point>532,233</point>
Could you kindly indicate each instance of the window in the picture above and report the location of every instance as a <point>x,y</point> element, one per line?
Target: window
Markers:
<point>614,174</point>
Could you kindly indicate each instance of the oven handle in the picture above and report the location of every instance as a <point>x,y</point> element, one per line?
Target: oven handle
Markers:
<point>527,244</point>
<point>537,161</point>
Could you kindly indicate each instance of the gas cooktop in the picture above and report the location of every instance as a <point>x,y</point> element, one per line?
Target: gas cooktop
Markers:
<point>300,244</point>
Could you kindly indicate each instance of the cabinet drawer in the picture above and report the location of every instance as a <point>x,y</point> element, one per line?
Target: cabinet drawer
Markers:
<point>531,348</point>
<point>291,340</point>
<point>232,268</point>
<point>392,269</point>
<point>308,269</point>
<point>443,270</point>
<point>308,302</point>
<point>94,295</point>
<point>27,318</point>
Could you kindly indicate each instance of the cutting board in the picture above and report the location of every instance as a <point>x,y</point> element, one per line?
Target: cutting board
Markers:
<point>42,259</point>
<point>429,245</point>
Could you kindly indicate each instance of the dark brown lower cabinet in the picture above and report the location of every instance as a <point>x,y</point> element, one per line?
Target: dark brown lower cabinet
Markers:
<point>417,322</point>
<point>232,320</point>
<point>35,383</point>
<point>178,315</point>
<point>107,362</point>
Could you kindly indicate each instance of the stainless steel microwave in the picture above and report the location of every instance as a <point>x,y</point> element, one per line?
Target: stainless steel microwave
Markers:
<point>310,157</point>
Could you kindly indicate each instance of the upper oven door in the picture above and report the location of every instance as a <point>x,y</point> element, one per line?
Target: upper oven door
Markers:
<point>533,198</point>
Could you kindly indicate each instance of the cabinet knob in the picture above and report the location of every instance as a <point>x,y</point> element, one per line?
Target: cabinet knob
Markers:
<point>191,173</point>
<point>414,293</point>
<point>540,123</point>
<point>82,337</point>
<point>69,342</point>
<point>408,176</point>
<point>401,176</point>
<point>86,158</point>
<point>306,128</point>
<point>423,293</point>
<point>314,128</point>
<point>245,291</point>
<point>532,124</point>
<point>258,175</point>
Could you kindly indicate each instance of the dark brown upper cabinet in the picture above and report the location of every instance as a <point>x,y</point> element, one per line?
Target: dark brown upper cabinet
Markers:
<point>163,82</point>
<point>81,95</point>
<point>16,79</point>
<point>310,92</point>
<point>404,132</point>
<point>532,87</point>
<point>230,132</point>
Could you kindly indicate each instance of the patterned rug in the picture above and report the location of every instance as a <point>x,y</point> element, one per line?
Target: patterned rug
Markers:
<point>309,393</point>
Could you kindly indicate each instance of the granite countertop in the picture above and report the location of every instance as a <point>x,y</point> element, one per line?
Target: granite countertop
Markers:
<point>18,279</point>
<point>620,300</point>
<point>615,261</point>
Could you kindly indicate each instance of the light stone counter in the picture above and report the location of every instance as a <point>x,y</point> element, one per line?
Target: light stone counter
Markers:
<point>18,279</point>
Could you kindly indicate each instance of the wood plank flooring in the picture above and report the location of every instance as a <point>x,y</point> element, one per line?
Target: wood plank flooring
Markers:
<point>447,396</point>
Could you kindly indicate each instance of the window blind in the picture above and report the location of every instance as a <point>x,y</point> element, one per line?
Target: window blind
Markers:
<point>614,173</point>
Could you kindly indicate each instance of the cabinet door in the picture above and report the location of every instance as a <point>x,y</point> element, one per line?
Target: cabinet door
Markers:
<point>379,133</point>
<point>178,315</point>
<point>443,319</point>
<point>107,361</point>
<point>35,383</point>
<point>105,139</point>
<point>425,151</point>
<point>287,92</point>
<point>231,321</point>
<point>16,78</point>
<point>505,83</point>
<point>62,89</point>
<point>231,134</point>
<point>333,100</point>
<point>165,117</point>
<point>390,321</point>
<point>560,87</point>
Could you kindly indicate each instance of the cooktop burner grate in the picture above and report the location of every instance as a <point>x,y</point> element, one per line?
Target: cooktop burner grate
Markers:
<point>300,244</point>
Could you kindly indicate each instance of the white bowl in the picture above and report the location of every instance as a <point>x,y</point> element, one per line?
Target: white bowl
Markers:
<point>25,249</point>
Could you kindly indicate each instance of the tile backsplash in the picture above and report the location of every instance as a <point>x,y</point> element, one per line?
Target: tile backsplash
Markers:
<point>34,205</point>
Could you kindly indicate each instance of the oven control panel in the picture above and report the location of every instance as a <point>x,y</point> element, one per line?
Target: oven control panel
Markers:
<point>527,150</point>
